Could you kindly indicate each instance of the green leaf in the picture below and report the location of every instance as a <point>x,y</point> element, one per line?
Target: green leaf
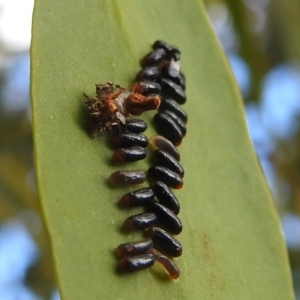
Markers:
<point>233,248</point>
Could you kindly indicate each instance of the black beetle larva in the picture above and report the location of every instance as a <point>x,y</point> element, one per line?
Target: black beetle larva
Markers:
<point>176,76</point>
<point>164,159</point>
<point>171,105</point>
<point>171,51</point>
<point>136,125</point>
<point>168,265</point>
<point>146,87</point>
<point>172,74</point>
<point>177,120</point>
<point>136,263</point>
<point>172,90</point>
<point>165,196</point>
<point>153,58</point>
<point>130,139</point>
<point>131,125</point>
<point>167,218</point>
<point>168,128</point>
<point>165,175</point>
<point>166,242</point>
<point>137,198</point>
<point>127,177</point>
<point>163,45</point>
<point>123,155</point>
<point>148,73</point>
<point>160,142</point>
<point>134,248</point>
<point>140,221</point>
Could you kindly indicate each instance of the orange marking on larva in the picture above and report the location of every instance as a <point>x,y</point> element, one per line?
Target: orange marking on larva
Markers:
<point>136,104</point>
<point>112,104</point>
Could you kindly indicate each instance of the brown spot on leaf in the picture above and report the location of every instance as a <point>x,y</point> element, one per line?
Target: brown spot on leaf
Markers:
<point>207,249</point>
<point>217,283</point>
<point>213,280</point>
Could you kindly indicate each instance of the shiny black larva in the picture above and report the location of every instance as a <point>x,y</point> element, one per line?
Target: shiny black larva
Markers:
<point>171,52</point>
<point>153,58</point>
<point>146,87</point>
<point>137,198</point>
<point>170,73</point>
<point>167,218</point>
<point>167,176</point>
<point>165,196</point>
<point>130,126</point>
<point>160,142</point>
<point>124,155</point>
<point>168,128</point>
<point>134,248</point>
<point>135,125</point>
<point>140,221</point>
<point>172,90</point>
<point>130,139</point>
<point>148,73</point>
<point>173,106</point>
<point>177,120</point>
<point>136,263</point>
<point>164,159</point>
<point>165,241</point>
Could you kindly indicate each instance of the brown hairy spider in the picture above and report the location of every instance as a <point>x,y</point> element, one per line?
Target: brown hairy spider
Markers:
<point>112,104</point>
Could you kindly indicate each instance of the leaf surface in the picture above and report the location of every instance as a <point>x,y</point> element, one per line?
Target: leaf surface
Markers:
<point>232,245</point>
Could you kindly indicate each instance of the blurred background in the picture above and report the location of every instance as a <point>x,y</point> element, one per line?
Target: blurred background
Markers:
<point>262,41</point>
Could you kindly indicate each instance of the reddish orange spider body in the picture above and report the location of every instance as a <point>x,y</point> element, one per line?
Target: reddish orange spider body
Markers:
<point>113,104</point>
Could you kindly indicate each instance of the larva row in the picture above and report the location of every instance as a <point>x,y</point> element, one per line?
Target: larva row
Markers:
<point>166,171</point>
<point>161,70</point>
<point>156,212</point>
<point>159,80</point>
